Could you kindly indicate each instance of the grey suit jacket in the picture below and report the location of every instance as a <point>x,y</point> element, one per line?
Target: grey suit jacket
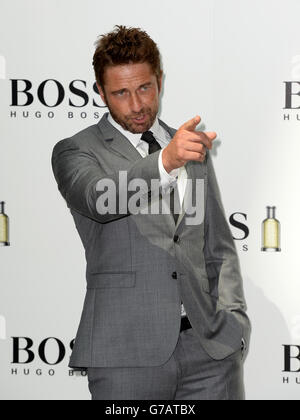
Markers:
<point>136,273</point>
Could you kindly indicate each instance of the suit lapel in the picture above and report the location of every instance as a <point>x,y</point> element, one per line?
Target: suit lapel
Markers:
<point>116,141</point>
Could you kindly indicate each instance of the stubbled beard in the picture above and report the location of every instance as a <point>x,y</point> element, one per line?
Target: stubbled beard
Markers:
<point>127,124</point>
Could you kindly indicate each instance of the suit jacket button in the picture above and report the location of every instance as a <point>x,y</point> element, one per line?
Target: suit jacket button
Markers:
<point>174,275</point>
<point>176,239</point>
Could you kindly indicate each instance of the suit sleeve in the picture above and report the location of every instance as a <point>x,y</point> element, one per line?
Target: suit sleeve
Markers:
<point>166,179</point>
<point>222,262</point>
<point>77,173</point>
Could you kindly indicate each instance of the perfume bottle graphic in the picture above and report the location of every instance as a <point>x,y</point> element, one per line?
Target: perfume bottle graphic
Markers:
<point>4,226</point>
<point>271,231</point>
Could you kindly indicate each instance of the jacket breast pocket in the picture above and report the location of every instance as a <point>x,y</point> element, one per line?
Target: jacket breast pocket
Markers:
<point>111,279</point>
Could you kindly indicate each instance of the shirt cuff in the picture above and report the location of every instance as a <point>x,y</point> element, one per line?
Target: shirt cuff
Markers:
<point>166,178</point>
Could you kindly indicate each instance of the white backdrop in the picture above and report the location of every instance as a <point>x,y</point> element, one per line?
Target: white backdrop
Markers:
<point>224,60</point>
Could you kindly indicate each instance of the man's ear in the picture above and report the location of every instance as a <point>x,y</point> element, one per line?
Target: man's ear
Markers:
<point>160,81</point>
<point>101,93</point>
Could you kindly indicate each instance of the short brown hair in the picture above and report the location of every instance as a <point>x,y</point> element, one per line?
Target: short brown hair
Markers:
<point>124,46</point>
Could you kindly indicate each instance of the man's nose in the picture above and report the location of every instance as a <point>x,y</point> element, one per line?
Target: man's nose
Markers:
<point>136,103</point>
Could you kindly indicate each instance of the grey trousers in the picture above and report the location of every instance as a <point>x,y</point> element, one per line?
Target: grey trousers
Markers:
<point>189,374</point>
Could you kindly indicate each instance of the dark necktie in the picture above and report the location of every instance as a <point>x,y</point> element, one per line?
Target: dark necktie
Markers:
<point>153,147</point>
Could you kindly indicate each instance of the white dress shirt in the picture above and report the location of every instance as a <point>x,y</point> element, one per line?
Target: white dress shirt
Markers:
<point>167,180</point>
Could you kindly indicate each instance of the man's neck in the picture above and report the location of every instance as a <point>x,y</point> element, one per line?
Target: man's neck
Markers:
<point>128,134</point>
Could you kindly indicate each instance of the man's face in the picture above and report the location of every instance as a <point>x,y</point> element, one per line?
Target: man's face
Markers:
<point>131,93</point>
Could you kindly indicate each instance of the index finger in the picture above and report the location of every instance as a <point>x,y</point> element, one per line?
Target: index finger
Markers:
<point>191,124</point>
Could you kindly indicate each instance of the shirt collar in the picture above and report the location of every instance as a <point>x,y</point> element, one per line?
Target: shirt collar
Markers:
<point>135,139</point>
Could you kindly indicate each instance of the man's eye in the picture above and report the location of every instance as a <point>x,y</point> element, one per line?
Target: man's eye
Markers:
<point>144,88</point>
<point>119,93</point>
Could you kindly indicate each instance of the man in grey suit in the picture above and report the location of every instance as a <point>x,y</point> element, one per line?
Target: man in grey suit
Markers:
<point>164,315</point>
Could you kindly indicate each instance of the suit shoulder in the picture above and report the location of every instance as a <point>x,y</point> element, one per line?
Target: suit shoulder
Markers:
<point>83,139</point>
